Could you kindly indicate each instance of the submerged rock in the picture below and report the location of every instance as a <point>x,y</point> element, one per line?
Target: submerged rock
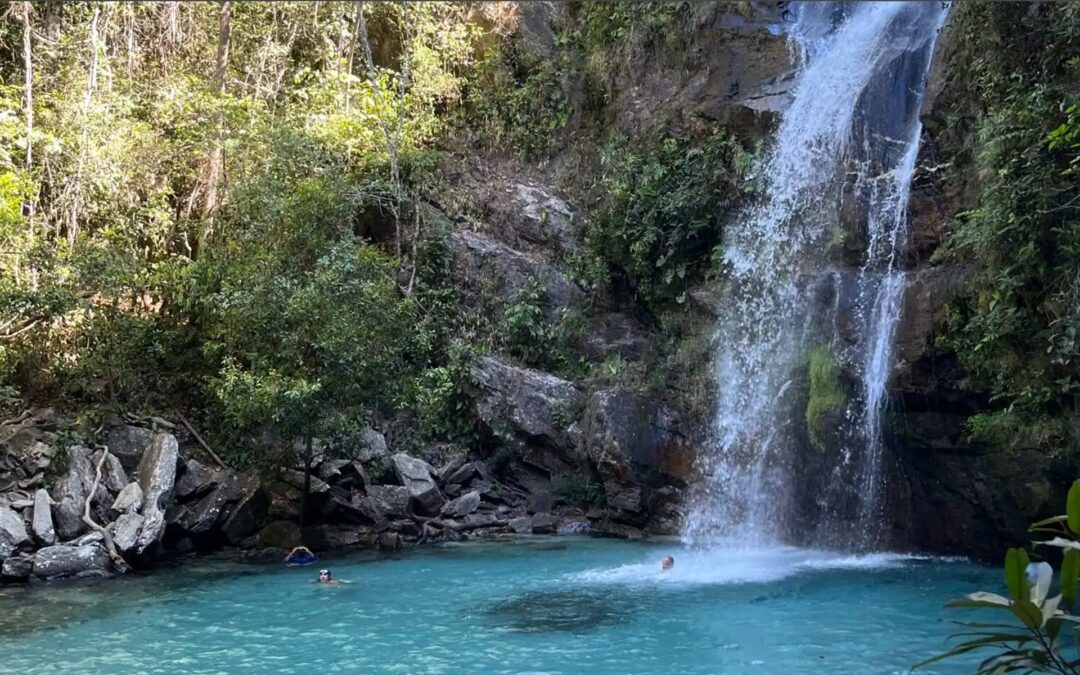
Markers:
<point>71,561</point>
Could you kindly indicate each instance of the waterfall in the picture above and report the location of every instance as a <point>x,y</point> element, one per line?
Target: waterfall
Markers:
<point>815,266</point>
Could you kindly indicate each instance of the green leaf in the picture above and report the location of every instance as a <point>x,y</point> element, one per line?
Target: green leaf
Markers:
<point>980,599</point>
<point>1072,507</point>
<point>1061,542</point>
<point>1028,612</point>
<point>1070,572</point>
<point>1048,521</point>
<point>1016,562</point>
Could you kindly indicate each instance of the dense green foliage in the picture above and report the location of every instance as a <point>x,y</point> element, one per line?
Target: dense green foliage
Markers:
<point>665,200</point>
<point>217,207</point>
<point>1041,635</point>
<point>1018,331</point>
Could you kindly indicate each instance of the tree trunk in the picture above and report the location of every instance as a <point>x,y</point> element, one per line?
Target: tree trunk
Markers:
<point>352,52</point>
<point>307,481</point>
<point>216,161</point>
<point>28,86</point>
<point>91,85</point>
<point>28,207</point>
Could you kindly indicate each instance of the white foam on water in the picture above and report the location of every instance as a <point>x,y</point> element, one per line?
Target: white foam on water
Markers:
<point>724,566</point>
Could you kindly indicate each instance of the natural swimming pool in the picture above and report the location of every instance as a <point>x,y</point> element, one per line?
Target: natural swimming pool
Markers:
<point>544,605</point>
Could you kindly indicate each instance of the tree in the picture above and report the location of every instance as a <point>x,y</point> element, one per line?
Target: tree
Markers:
<point>312,335</point>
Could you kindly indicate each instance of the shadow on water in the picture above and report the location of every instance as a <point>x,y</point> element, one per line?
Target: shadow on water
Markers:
<point>572,611</point>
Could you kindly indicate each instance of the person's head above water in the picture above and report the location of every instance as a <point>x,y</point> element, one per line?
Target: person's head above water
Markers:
<point>324,576</point>
<point>667,562</point>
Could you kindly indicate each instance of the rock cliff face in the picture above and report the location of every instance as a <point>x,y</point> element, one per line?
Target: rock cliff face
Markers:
<point>945,493</point>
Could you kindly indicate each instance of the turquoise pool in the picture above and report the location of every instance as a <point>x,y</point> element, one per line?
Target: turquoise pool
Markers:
<point>559,605</point>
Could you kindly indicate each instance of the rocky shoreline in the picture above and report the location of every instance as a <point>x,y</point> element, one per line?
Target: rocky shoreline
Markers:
<point>147,494</point>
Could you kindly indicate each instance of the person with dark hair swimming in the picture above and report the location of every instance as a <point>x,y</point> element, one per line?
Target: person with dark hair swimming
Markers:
<point>301,555</point>
<point>326,578</point>
<point>667,562</point>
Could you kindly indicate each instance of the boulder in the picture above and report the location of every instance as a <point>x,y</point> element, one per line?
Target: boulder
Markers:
<point>316,486</point>
<point>541,502</point>
<point>389,541</point>
<point>249,512</point>
<point>70,493</point>
<point>574,527</point>
<point>130,499</point>
<point>12,532</point>
<point>333,537</point>
<point>280,534</point>
<point>17,566</point>
<point>157,476</point>
<point>482,266</point>
<point>87,539</point>
<point>462,506</point>
<point>204,515</point>
<point>613,333</point>
<point>128,443</point>
<point>372,446</point>
<point>385,501</point>
<point>42,522</point>
<point>125,531</point>
<point>461,474</point>
<point>71,561</point>
<point>627,437</point>
<point>527,404</point>
<point>543,523</point>
<point>330,470</point>
<point>113,477</point>
<point>522,525</point>
<point>196,481</point>
<point>416,476</point>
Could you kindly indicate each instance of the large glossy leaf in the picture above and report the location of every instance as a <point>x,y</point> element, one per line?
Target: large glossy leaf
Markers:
<point>1049,521</point>
<point>988,640</point>
<point>1028,612</point>
<point>980,599</point>
<point>1072,507</point>
<point>1070,572</point>
<point>1016,562</point>
<point>1061,542</point>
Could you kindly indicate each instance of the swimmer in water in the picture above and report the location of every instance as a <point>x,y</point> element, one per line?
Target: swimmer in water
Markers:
<point>667,562</point>
<point>326,578</point>
<point>301,555</point>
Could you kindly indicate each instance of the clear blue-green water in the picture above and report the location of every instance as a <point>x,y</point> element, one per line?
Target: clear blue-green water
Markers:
<point>560,605</point>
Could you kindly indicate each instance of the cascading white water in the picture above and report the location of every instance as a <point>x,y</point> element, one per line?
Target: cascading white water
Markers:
<point>851,129</point>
